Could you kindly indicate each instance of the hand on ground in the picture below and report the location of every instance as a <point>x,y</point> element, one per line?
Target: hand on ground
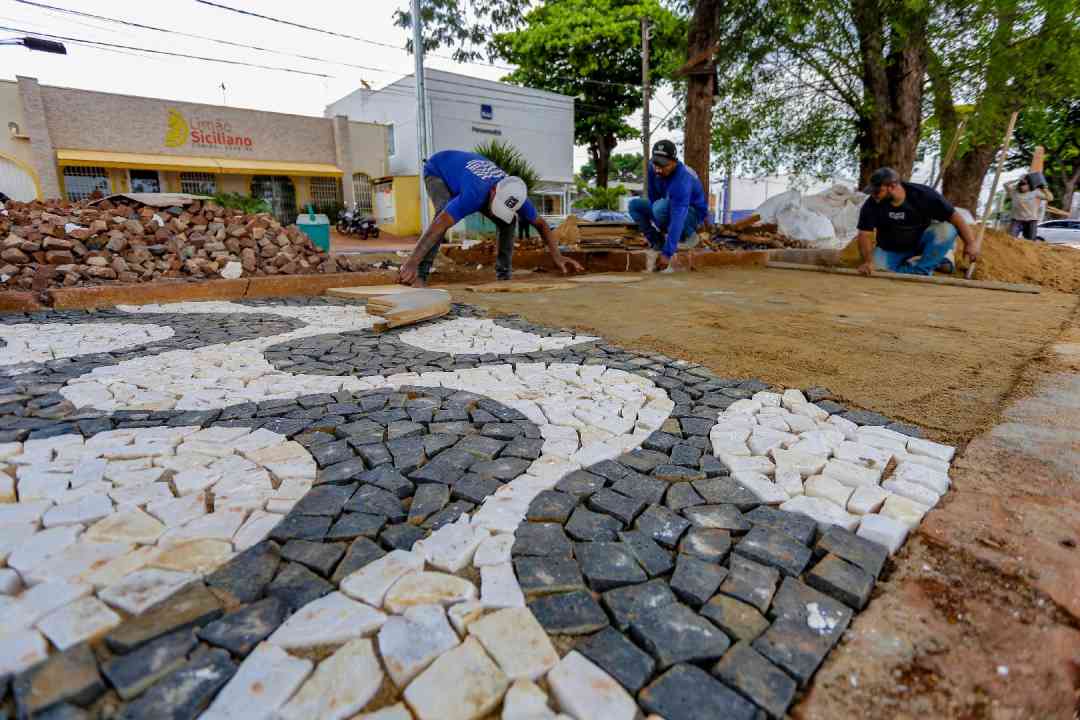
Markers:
<point>662,262</point>
<point>867,269</point>
<point>566,264</point>
<point>407,273</point>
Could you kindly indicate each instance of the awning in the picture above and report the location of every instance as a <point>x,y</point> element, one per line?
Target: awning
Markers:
<point>190,163</point>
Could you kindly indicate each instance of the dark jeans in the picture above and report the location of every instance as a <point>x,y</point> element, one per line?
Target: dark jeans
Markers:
<point>1026,228</point>
<point>440,196</point>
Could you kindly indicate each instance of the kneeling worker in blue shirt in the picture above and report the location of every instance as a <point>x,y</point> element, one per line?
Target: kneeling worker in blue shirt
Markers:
<point>461,183</point>
<point>678,206</point>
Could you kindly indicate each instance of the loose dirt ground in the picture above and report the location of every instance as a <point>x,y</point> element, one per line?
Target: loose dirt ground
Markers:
<point>977,616</point>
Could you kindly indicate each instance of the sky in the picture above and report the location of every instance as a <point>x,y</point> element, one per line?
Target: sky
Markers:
<point>383,58</point>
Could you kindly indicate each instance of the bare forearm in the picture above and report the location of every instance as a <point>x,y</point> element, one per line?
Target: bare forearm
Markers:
<point>962,228</point>
<point>434,233</point>
<point>866,245</point>
<point>549,237</point>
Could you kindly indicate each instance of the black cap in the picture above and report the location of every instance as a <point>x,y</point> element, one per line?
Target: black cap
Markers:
<point>664,151</point>
<point>881,176</point>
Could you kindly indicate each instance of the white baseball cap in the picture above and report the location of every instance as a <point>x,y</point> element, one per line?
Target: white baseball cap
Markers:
<point>510,195</point>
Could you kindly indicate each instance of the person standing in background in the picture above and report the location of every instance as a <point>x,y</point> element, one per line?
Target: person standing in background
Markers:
<point>1027,206</point>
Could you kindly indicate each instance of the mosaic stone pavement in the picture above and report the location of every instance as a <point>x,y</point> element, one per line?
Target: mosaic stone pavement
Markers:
<point>265,510</point>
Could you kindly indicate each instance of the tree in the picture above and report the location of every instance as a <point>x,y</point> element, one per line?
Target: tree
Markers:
<point>589,49</point>
<point>1057,129</point>
<point>625,167</point>
<point>509,158</point>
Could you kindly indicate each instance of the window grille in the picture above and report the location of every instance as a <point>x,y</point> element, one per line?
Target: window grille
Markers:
<point>81,182</point>
<point>198,183</point>
<point>363,194</point>
<point>325,193</point>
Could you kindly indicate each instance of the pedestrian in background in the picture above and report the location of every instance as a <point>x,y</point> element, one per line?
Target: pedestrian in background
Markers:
<point>1027,206</point>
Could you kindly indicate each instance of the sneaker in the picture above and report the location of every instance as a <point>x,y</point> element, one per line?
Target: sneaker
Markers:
<point>947,267</point>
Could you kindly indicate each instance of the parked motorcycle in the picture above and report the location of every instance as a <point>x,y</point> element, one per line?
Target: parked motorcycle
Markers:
<point>351,222</point>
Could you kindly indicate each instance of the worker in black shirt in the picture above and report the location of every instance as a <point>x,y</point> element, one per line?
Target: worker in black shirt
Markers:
<point>911,221</point>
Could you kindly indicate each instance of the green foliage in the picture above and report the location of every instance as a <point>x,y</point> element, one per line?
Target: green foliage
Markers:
<point>510,159</point>
<point>1057,128</point>
<point>624,167</point>
<point>239,201</point>
<point>598,198</point>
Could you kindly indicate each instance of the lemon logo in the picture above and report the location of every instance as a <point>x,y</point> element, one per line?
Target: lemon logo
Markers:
<point>177,134</point>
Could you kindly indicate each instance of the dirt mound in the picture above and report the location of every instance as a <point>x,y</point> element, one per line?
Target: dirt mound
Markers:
<point>1007,259</point>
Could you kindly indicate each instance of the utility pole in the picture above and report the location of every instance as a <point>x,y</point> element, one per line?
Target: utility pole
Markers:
<point>645,120</point>
<point>421,111</point>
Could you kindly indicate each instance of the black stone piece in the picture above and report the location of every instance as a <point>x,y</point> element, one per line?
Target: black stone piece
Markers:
<point>441,471</point>
<point>525,448</point>
<point>474,489</point>
<point>408,453</point>
<point>745,670</point>
<point>608,565</point>
<point>376,501</point>
<point>627,604</point>
<point>662,525</point>
<point>324,500</point>
<point>192,606</point>
<point>546,539</point>
<point>739,620</point>
<point>696,580</point>
<point>435,444</point>
<point>797,601</point>
<point>618,657</point>
<point>686,692</point>
<point>572,613</point>
<point>401,537</point>
<point>619,506</point>
<point>682,495</point>
<point>428,500</point>
<point>712,467</point>
<point>184,693</point>
<point>661,442</point>
<point>609,470</point>
<point>331,453</point>
<point>551,506</point>
<point>906,429</point>
<point>718,517</point>
<point>830,406</point>
<point>483,448</point>
<point>296,586</point>
<point>643,487</point>
<point>696,426</point>
<point>546,575</point>
<point>859,551</point>
<point>448,514</point>
<point>653,558</point>
<point>246,576</point>
<point>585,525</point>
<point>374,455</point>
<point>504,469</point>
<point>684,454</point>
<point>774,548</point>
<point>132,673</point>
<point>360,553</point>
<point>750,582</point>
<point>725,491</point>
<point>793,646</point>
<point>865,417</point>
<point>800,527</point>
<point>643,460</point>
<point>580,483</point>
<point>321,557</point>
<point>678,473</point>
<point>389,479</point>
<point>673,633</point>
<point>353,525</point>
<point>302,527</point>
<point>71,676</point>
<point>241,630</point>
<point>342,472</point>
<point>706,544</point>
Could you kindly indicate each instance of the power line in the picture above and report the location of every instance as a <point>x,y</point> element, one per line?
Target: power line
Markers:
<point>82,41</point>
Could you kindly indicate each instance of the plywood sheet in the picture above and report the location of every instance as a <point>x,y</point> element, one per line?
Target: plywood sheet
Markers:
<point>616,279</point>
<point>366,291</point>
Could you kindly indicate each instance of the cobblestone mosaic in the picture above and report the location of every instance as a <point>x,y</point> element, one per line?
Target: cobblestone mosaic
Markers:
<point>266,510</point>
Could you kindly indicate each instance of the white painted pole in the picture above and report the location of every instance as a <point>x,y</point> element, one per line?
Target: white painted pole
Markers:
<point>421,111</point>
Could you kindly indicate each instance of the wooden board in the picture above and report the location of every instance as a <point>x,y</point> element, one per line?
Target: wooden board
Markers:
<point>366,291</point>
<point>902,277</point>
<point>512,287</point>
<point>620,279</point>
<point>407,308</point>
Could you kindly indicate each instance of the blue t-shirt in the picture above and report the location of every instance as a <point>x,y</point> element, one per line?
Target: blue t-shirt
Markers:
<point>470,178</point>
<point>683,190</point>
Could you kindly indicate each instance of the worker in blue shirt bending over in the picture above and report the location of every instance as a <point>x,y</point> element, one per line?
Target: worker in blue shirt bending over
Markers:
<point>461,183</point>
<point>678,206</point>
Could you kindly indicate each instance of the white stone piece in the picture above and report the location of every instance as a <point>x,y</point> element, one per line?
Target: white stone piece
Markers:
<point>803,463</point>
<point>197,556</point>
<point>905,510</point>
<point>81,512</point>
<point>851,474</point>
<point>339,687</point>
<point>144,588</point>
<point>409,643</point>
<point>370,583</point>
<point>922,475</point>
<point>876,437</point>
<point>763,488</point>
<point>451,547</point>
<point>21,650</point>
<point>331,620</point>
<point>116,570</point>
<point>756,464</point>
<point>793,396</point>
<point>925,460</point>
<point>866,499</point>
<point>39,601</point>
<point>82,620</point>
<point>23,513</point>
<point>799,423</point>
<point>427,588</point>
<point>912,491</point>
<point>845,426</point>
<point>864,455</point>
<point>173,511</point>
<point>140,495</point>
<point>130,526</point>
<point>75,561</point>
<point>790,481</point>
<point>255,529</point>
<point>464,614</point>
<point>827,488</point>
<point>823,512</point>
<point>494,550</point>
<point>10,582</point>
<point>743,407</point>
<point>583,690</point>
<point>499,587</point>
<point>883,530</point>
<point>219,525</point>
<point>41,546</point>
<point>526,701</point>
<point>266,679</point>
<point>762,440</point>
<point>517,642</point>
<point>462,684</point>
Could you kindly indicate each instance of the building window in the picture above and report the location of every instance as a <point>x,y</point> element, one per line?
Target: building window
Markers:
<point>278,191</point>
<point>198,183</point>
<point>363,194</point>
<point>144,181</point>
<point>326,196</point>
<point>82,182</point>
<point>391,141</point>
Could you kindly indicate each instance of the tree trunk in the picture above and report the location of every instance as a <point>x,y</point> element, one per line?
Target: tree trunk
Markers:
<point>1068,187</point>
<point>963,179</point>
<point>600,151</point>
<point>887,133</point>
<point>704,32</point>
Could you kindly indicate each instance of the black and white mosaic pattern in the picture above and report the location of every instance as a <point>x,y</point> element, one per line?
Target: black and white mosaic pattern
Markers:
<point>217,488</point>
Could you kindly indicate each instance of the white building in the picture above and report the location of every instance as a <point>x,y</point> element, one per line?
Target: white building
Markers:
<point>464,112</point>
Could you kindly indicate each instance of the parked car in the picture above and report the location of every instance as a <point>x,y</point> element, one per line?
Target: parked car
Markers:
<point>1060,232</point>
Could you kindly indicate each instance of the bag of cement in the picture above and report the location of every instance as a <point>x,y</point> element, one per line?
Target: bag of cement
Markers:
<point>769,209</point>
<point>841,205</point>
<point>806,225</point>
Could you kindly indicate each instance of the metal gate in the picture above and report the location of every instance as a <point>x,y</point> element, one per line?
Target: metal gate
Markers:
<point>279,193</point>
<point>15,182</point>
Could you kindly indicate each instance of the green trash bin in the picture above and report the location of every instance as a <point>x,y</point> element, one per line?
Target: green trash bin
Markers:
<point>317,227</point>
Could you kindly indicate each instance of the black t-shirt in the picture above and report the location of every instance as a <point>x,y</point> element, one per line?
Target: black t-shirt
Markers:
<point>900,228</point>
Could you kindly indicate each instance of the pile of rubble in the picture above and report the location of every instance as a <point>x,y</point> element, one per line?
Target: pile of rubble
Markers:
<point>59,243</point>
<point>751,234</point>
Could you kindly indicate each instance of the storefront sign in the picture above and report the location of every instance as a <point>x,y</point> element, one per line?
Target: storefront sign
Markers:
<point>210,133</point>
<point>486,112</point>
<point>486,131</point>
